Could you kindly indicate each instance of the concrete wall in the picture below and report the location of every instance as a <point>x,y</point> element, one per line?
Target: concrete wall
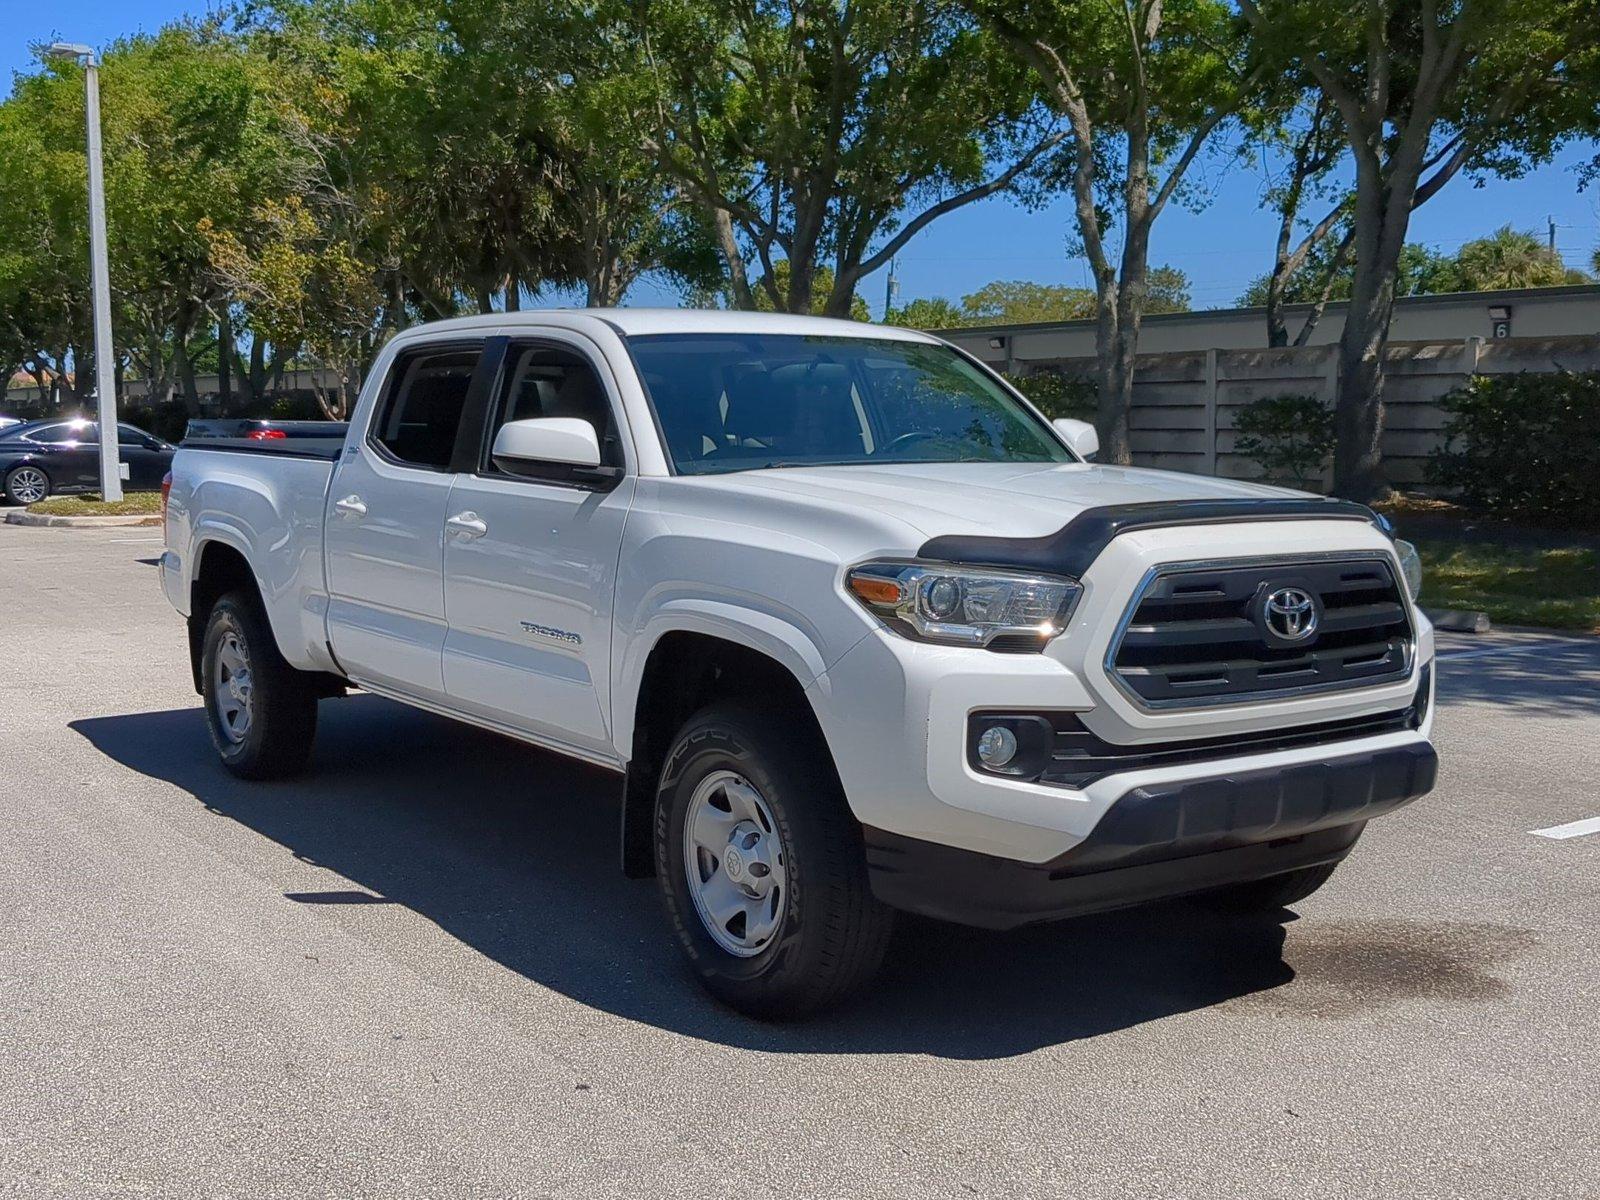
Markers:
<point>1535,313</point>
<point>1185,402</point>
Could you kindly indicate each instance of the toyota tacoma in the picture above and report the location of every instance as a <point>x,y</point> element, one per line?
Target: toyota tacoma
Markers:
<point>857,628</point>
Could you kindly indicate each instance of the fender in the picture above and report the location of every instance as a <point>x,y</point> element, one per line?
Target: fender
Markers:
<point>771,635</point>
<point>301,634</point>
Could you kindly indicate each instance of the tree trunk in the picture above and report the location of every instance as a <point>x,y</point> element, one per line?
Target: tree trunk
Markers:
<point>224,361</point>
<point>738,279</point>
<point>1358,414</point>
<point>185,366</point>
<point>1277,328</point>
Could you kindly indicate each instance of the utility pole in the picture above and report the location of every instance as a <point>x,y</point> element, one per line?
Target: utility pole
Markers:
<point>99,274</point>
<point>891,289</point>
<point>1551,222</point>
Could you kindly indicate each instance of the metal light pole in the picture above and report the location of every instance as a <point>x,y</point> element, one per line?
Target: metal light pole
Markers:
<point>99,274</point>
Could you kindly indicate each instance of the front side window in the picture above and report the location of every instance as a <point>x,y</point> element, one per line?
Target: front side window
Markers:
<point>741,402</point>
<point>421,410</point>
<point>549,381</point>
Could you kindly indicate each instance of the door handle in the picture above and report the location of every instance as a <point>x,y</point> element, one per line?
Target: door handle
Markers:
<point>467,525</point>
<point>351,506</point>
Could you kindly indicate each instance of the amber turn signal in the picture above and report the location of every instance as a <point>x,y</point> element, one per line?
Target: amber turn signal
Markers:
<point>876,591</point>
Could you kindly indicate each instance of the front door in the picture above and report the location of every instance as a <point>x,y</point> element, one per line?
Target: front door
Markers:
<point>385,521</point>
<point>530,563</point>
<point>147,458</point>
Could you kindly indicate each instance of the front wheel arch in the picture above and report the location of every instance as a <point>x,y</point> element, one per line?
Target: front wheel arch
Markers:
<point>687,670</point>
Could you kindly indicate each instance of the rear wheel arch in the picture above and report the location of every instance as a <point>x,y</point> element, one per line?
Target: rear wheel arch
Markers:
<point>220,568</point>
<point>685,671</point>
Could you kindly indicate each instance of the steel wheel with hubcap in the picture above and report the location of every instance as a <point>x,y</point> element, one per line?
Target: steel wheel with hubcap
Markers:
<point>261,712</point>
<point>761,863</point>
<point>733,858</point>
<point>232,691</point>
<point>27,485</point>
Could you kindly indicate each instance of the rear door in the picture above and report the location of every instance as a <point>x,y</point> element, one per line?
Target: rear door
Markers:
<point>530,563</point>
<point>385,521</point>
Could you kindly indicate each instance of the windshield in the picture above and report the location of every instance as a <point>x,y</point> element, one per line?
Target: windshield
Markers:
<point>742,402</point>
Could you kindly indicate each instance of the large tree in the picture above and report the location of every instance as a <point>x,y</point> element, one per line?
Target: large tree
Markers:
<point>1145,86</point>
<point>829,132</point>
<point>1424,89</point>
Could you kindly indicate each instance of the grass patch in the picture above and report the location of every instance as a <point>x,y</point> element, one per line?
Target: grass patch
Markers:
<point>132,504</point>
<point>1516,585</point>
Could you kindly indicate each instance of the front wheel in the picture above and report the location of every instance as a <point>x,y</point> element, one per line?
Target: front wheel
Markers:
<point>27,484</point>
<point>260,711</point>
<point>761,864</point>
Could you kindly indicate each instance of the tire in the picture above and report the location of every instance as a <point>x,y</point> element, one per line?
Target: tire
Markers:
<point>1273,892</point>
<point>27,484</point>
<point>263,729</point>
<point>827,931</point>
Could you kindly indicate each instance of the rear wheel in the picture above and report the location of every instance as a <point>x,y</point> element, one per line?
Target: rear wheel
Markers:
<point>261,712</point>
<point>761,864</point>
<point>1273,892</point>
<point>27,484</point>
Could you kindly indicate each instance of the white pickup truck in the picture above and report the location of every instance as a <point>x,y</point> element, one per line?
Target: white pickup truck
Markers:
<point>857,628</point>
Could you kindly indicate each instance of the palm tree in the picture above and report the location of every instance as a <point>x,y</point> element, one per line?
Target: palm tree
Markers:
<point>1508,258</point>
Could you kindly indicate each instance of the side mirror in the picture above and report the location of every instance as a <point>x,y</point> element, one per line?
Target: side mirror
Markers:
<point>1080,435</point>
<point>543,442</point>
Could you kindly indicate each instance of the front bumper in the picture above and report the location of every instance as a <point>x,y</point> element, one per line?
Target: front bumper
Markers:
<point>1161,840</point>
<point>897,713</point>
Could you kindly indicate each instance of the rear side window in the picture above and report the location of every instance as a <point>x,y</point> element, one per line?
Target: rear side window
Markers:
<point>421,410</point>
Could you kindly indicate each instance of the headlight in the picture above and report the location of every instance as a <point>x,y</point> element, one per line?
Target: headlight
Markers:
<point>1410,566</point>
<point>966,606</point>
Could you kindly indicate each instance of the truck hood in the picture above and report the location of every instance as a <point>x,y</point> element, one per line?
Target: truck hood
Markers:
<point>1003,499</point>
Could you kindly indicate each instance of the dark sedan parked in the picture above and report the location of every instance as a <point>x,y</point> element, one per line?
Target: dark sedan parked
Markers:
<point>43,458</point>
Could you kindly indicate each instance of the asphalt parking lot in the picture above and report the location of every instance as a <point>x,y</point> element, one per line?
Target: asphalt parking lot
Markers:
<point>416,971</point>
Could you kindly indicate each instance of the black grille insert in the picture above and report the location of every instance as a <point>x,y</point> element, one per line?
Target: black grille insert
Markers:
<point>1199,634</point>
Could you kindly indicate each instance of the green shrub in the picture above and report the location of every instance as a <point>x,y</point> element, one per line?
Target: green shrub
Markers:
<point>1525,446</point>
<point>1288,437</point>
<point>296,406</point>
<point>1059,395</point>
<point>167,420</point>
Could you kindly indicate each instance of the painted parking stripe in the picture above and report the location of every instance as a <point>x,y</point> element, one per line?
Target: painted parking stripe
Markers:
<point>1571,829</point>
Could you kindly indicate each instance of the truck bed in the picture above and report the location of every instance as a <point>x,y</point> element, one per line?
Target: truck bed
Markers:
<point>264,500</point>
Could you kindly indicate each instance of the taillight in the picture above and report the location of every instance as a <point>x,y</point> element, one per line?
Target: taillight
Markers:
<point>265,435</point>
<point>166,491</point>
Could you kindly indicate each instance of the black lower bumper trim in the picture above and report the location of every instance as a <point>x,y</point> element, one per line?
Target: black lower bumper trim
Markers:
<point>1161,840</point>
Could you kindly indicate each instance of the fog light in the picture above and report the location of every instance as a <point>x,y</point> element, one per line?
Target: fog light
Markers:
<point>997,746</point>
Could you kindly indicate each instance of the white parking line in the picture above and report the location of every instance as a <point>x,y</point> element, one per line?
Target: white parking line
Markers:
<point>1571,829</point>
<point>133,541</point>
<point>1490,651</point>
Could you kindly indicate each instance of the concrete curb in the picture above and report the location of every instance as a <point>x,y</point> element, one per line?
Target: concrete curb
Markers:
<point>41,520</point>
<point>1458,621</point>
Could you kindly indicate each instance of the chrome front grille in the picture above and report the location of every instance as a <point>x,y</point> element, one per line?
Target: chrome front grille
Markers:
<point>1205,634</point>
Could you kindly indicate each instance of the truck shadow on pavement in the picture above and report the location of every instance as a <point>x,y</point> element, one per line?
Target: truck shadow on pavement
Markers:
<point>513,852</point>
<point>1554,677</point>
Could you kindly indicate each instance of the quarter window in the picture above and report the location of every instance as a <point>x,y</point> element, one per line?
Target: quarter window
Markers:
<point>421,412</point>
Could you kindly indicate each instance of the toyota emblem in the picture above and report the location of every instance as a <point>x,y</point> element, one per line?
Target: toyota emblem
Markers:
<point>1291,613</point>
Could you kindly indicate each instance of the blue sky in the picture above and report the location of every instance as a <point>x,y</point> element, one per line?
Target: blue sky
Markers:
<point>1222,247</point>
